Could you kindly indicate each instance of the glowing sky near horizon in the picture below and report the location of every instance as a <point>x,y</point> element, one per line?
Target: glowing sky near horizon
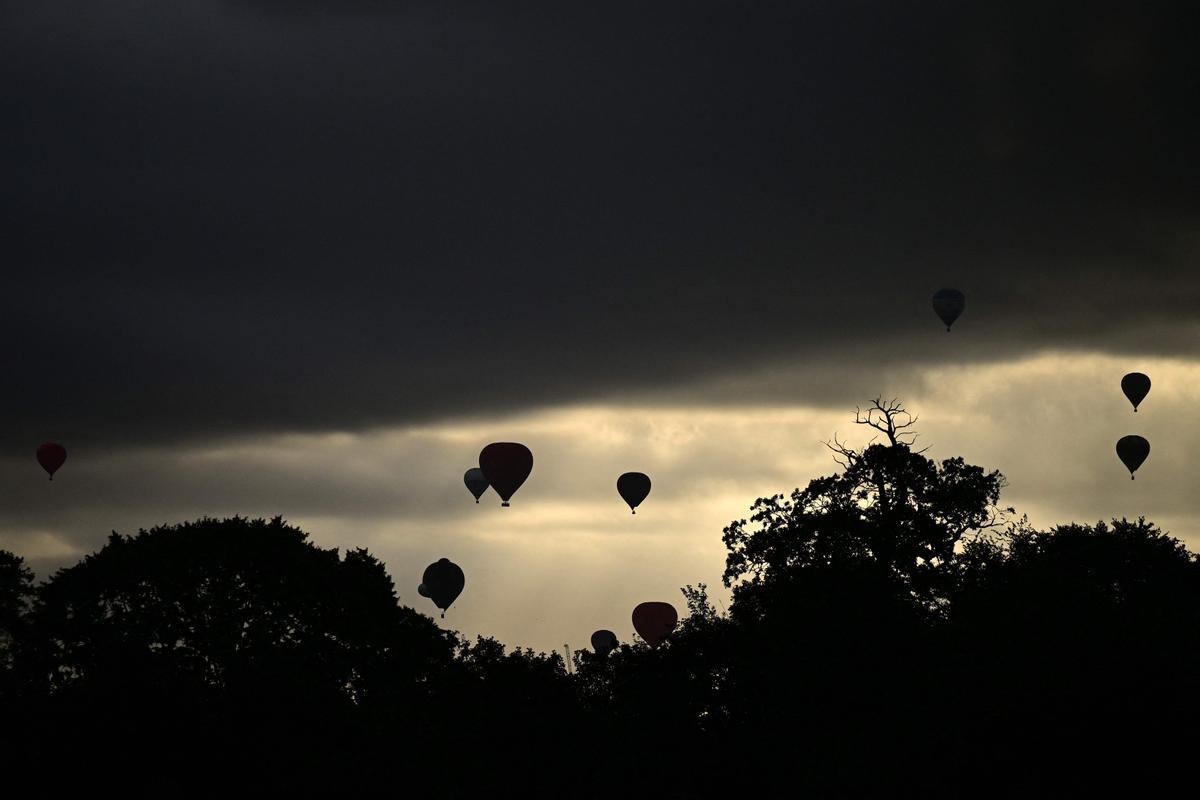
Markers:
<point>568,557</point>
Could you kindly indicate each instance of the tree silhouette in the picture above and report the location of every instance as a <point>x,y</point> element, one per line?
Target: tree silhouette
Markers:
<point>230,604</point>
<point>838,594</point>
<point>1085,639</point>
<point>238,636</point>
<point>16,596</point>
<point>889,635</point>
<point>891,512</point>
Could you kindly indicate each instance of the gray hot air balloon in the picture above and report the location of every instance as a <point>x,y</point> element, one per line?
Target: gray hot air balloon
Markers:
<point>476,483</point>
<point>443,582</point>
<point>604,642</point>
<point>1132,450</point>
<point>948,304</point>
<point>633,488</point>
<point>1136,386</point>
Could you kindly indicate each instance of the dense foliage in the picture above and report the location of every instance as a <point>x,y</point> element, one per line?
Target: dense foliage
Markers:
<point>892,632</point>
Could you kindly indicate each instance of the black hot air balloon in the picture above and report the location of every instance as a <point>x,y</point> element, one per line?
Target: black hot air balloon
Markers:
<point>654,621</point>
<point>633,488</point>
<point>948,304</point>
<point>506,465</point>
<point>476,483</point>
<point>604,642</point>
<point>1136,386</point>
<point>1132,450</point>
<point>421,590</point>
<point>443,582</point>
<point>51,456</point>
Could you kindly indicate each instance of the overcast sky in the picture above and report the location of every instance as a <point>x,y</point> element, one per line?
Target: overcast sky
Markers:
<point>307,258</point>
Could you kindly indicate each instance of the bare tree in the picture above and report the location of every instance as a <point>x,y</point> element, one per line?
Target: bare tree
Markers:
<point>889,417</point>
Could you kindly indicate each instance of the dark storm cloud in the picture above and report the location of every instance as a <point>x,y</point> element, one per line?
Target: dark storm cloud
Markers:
<point>227,217</point>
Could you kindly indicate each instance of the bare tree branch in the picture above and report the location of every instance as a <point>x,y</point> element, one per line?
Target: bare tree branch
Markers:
<point>843,455</point>
<point>890,418</point>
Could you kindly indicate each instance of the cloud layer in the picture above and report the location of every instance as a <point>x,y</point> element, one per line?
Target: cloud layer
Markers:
<point>235,218</point>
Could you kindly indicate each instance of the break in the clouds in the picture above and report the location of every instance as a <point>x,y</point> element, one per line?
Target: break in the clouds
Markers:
<point>568,557</point>
<point>237,218</point>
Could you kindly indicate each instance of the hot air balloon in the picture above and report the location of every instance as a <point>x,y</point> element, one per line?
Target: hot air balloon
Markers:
<point>476,483</point>
<point>604,642</point>
<point>1136,386</point>
<point>1132,450</point>
<point>948,304</point>
<point>633,488</point>
<point>653,621</point>
<point>51,456</point>
<point>421,590</point>
<point>443,582</point>
<point>505,466</point>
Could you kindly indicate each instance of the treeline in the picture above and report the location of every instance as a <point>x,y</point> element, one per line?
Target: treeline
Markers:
<point>894,631</point>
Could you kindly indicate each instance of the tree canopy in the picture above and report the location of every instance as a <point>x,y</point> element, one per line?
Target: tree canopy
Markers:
<point>891,512</point>
<point>894,630</point>
<point>232,605</point>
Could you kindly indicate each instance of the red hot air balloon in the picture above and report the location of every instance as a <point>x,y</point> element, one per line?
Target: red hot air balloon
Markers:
<point>654,621</point>
<point>506,465</point>
<point>51,456</point>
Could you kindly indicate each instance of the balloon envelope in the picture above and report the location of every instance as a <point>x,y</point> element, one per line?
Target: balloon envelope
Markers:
<point>443,582</point>
<point>604,642</point>
<point>505,466</point>
<point>633,488</point>
<point>51,456</point>
<point>1132,450</point>
<point>948,304</point>
<point>421,590</point>
<point>653,621</point>
<point>1136,386</point>
<point>475,482</point>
